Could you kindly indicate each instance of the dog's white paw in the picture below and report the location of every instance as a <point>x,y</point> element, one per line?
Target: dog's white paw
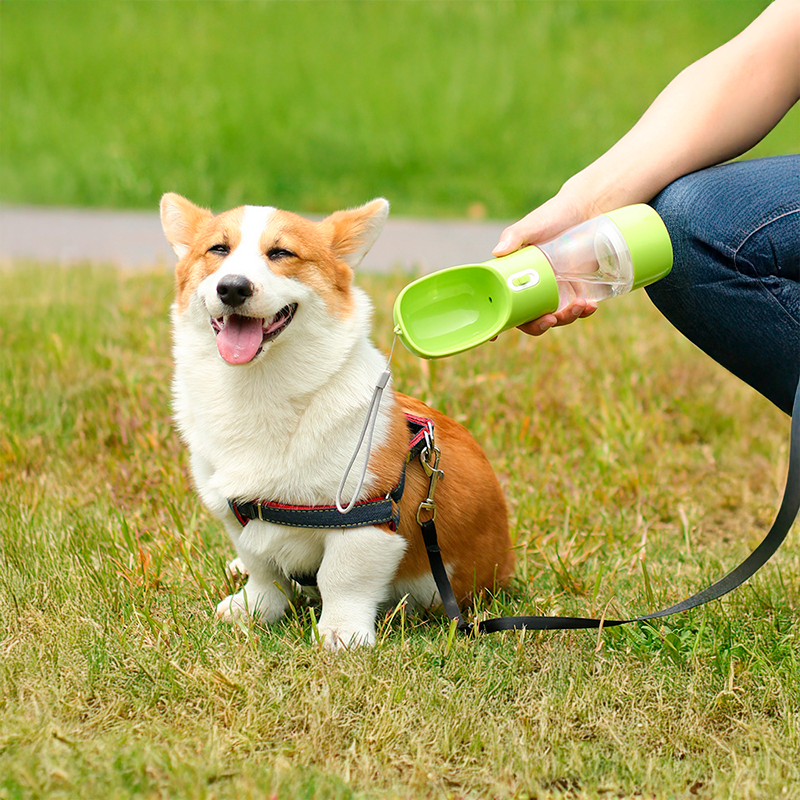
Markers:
<point>237,569</point>
<point>266,606</point>
<point>232,608</point>
<point>345,637</point>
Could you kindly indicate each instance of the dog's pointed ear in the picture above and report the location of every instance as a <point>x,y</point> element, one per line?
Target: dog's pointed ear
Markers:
<point>354,231</point>
<point>181,219</point>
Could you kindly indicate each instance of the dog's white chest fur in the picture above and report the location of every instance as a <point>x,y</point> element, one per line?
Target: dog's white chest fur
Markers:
<point>272,435</point>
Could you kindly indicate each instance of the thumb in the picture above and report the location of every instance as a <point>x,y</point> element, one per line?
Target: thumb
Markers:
<point>531,228</point>
<point>510,241</point>
<point>542,224</point>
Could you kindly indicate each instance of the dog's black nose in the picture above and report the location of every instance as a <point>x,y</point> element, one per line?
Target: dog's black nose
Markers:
<point>233,290</point>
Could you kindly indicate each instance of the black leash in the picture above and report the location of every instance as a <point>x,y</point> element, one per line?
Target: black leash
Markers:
<point>735,578</point>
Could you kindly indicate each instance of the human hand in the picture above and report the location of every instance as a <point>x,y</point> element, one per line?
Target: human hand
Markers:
<point>544,223</point>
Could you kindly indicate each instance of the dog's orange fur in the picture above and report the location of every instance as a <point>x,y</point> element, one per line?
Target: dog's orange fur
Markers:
<point>471,516</point>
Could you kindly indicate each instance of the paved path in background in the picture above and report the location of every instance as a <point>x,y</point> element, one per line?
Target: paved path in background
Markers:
<point>134,240</point>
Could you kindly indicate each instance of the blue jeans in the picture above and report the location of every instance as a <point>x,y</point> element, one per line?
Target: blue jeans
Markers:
<point>734,289</point>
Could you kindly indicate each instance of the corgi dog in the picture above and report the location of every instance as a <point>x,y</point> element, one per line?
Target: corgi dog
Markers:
<point>274,374</point>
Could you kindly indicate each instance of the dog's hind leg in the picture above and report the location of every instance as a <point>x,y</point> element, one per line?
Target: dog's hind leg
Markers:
<point>354,578</point>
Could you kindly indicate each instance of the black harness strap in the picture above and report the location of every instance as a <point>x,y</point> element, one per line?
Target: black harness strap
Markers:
<point>735,578</point>
<point>365,512</point>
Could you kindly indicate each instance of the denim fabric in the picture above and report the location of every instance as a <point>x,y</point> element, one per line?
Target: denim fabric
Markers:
<point>734,289</point>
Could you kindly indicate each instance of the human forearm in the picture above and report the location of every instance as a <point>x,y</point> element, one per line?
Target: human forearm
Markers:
<point>714,110</point>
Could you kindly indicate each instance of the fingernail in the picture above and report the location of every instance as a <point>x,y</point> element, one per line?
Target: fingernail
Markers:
<point>501,246</point>
<point>544,326</point>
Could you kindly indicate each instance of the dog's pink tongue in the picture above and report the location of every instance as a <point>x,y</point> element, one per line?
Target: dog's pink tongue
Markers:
<point>240,338</point>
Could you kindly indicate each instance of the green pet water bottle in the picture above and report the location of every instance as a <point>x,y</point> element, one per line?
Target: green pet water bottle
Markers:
<point>458,308</point>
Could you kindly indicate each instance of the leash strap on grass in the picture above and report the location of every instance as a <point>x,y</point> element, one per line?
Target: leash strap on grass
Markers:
<point>735,578</point>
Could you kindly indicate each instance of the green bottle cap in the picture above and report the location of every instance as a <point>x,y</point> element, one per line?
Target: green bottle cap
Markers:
<point>648,241</point>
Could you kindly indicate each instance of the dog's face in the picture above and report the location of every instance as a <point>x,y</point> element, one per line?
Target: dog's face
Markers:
<point>255,275</point>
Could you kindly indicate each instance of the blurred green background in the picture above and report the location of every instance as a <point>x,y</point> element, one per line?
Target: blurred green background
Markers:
<point>446,108</point>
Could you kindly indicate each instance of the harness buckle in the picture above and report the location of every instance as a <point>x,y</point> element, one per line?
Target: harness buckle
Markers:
<point>426,505</point>
<point>429,458</point>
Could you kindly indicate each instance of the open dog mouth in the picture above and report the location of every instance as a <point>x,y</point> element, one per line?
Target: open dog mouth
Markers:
<point>240,339</point>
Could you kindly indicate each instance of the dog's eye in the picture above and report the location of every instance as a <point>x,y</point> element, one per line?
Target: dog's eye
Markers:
<point>276,253</point>
<point>219,249</point>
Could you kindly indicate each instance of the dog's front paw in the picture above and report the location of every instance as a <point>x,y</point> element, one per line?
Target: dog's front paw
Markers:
<point>345,637</point>
<point>231,609</point>
<point>249,604</point>
<point>237,569</point>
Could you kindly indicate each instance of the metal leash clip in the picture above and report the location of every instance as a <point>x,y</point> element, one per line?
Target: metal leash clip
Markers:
<point>429,458</point>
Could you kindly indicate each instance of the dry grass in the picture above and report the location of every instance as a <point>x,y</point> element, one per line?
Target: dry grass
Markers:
<point>636,471</point>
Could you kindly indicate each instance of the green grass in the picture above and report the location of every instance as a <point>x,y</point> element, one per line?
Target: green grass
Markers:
<point>636,471</point>
<point>445,108</point>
